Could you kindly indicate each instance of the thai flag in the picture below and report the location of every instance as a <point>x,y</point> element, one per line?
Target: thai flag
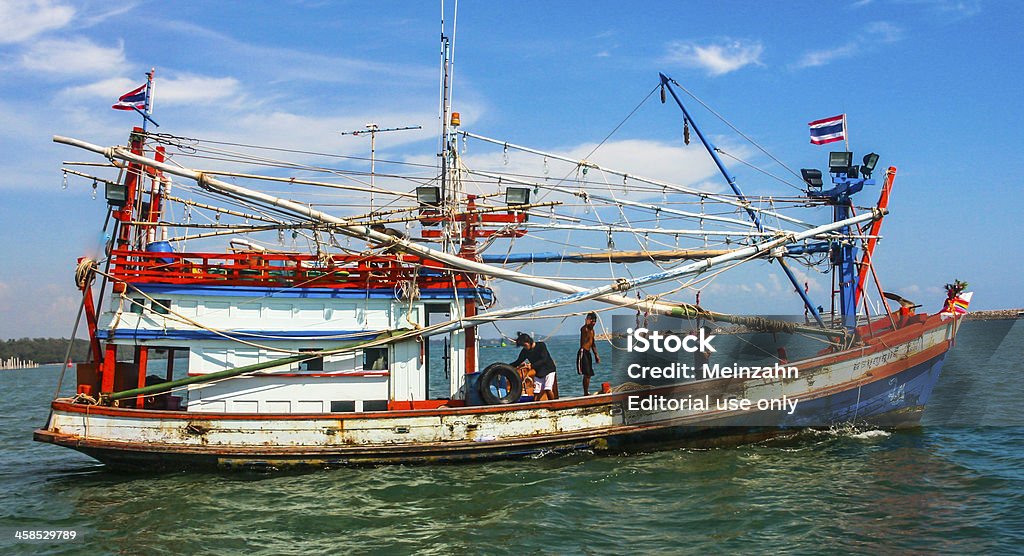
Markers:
<point>132,100</point>
<point>828,130</point>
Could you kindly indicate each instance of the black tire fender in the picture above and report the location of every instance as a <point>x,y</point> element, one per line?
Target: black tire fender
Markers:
<point>491,376</point>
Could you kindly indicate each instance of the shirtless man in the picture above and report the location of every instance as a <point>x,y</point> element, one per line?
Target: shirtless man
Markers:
<point>584,363</point>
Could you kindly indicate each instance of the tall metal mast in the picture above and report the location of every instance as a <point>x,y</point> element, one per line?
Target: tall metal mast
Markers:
<point>450,196</point>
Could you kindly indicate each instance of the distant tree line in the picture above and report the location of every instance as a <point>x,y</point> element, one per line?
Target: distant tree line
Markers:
<point>43,350</point>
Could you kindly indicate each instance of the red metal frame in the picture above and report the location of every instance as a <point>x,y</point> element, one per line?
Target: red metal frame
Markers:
<point>279,270</point>
<point>876,227</point>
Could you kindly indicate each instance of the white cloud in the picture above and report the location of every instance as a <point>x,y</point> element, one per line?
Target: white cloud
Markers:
<point>21,20</point>
<point>717,58</point>
<point>959,8</point>
<point>76,56</point>
<point>298,65</point>
<point>875,33</point>
<point>188,88</point>
<point>107,88</point>
<point>884,31</point>
<point>648,159</point>
<point>97,18</point>
<point>816,58</point>
<point>176,90</point>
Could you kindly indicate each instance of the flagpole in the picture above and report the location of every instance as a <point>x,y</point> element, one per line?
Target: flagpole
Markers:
<point>846,133</point>
<point>149,95</point>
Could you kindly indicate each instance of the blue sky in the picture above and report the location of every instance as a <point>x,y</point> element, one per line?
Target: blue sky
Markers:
<point>933,86</point>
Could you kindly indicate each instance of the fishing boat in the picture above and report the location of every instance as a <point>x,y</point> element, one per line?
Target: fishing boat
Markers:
<point>323,356</point>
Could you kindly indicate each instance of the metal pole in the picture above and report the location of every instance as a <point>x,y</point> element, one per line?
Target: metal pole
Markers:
<point>736,189</point>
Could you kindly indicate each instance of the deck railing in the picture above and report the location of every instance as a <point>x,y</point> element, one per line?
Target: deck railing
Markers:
<point>280,269</point>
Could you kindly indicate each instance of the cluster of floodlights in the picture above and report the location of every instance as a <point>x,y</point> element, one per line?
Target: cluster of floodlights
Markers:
<point>841,163</point>
<point>429,197</point>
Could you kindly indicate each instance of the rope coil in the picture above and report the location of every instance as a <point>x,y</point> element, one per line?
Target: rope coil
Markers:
<point>85,273</point>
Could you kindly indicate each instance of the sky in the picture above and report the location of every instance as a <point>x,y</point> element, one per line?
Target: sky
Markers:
<point>933,86</point>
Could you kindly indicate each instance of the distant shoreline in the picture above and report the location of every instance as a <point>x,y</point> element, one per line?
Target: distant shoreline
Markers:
<point>33,355</point>
<point>998,314</point>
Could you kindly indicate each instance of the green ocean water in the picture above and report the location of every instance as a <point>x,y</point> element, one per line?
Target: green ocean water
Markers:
<point>955,485</point>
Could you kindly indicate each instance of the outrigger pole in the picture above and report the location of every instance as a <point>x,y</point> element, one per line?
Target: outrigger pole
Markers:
<point>666,84</point>
<point>742,203</point>
<point>583,194</point>
<point>607,291</point>
<point>349,228</point>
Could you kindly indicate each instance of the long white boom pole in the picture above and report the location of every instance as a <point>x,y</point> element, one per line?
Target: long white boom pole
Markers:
<point>745,205</point>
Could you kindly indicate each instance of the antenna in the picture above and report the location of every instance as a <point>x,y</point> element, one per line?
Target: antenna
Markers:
<point>373,129</point>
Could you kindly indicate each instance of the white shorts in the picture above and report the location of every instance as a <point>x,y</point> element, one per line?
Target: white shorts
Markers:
<point>542,383</point>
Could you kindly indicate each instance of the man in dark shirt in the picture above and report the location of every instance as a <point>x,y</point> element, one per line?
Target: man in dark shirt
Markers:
<point>540,359</point>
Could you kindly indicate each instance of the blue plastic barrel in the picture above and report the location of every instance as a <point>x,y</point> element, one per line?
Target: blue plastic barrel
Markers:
<point>161,247</point>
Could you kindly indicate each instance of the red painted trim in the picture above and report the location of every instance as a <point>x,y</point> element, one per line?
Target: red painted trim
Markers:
<point>397,405</point>
<point>312,375</point>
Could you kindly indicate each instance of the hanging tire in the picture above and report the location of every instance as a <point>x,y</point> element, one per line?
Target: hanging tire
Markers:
<point>500,384</point>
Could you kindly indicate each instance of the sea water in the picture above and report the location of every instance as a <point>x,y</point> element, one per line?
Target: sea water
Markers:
<point>954,485</point>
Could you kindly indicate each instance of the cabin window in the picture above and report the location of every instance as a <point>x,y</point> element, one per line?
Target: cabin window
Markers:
<point>138,305</point>
<point>161,306</point>
<point>375,359</point>
<point>315,364</point>
<point>375,405</point>
<point>343,406</point>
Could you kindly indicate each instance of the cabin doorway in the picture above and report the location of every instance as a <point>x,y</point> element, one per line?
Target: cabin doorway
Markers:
<point>437,349</point>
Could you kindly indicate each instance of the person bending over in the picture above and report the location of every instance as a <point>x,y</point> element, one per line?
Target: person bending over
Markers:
<point>540,359</point>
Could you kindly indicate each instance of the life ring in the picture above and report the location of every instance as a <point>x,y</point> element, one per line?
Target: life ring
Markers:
<point>500,384</point>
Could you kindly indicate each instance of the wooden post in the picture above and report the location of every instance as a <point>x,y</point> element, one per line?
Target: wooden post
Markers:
<point>170,364</point>
<point>141,359</point>
<point>91,323</point>
<point>108,367</point>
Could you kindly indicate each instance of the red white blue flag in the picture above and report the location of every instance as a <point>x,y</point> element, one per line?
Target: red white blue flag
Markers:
<point>132,100</point>
<point>828,130</point>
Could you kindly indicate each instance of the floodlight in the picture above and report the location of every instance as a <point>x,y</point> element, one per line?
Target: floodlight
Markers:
<point>812,177</point>
<point>517,196</point>
<point>428,196</point>
<point>870,160</point>
<point>116,194</point>
<point>838,162</point>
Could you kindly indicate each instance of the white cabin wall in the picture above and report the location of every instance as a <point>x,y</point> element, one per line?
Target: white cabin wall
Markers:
<point>267,394</point>
<point>329,321</point>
